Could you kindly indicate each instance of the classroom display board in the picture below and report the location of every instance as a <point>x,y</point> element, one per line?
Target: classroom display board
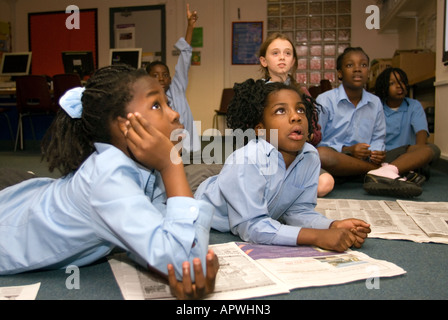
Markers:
<point>49,37</point>
<point>247,38</point>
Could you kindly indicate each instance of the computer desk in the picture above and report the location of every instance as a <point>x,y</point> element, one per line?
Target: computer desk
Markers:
<point>8,91</point>
<point>425,263</point>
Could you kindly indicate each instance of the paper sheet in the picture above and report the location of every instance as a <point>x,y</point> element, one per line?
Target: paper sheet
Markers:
<point>28,292</point>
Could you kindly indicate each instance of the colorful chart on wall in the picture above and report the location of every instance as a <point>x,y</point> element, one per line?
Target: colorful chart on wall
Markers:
<point>49,36</point>
<point>247,38</point>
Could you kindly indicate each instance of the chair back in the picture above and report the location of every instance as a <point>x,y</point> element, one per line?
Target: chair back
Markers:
<point>325,85</point>
<point>314,91</point>
<point>64,82</point>
<point>227,95</point>
<point>33,94</point>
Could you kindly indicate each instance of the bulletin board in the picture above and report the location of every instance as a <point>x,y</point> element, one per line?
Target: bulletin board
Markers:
<point>247,38</point>
<point>49,37</point>
<point>146,27</point>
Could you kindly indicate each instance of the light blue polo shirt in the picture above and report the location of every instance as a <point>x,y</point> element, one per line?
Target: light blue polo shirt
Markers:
<point>344,124</point>
<point>403,124</point>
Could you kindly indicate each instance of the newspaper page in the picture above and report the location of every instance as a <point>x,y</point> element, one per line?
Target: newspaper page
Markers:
<point>431,217</point>
<point>28,292</point>
<point>388,219</point>
<point>307,266</point>
<point>239,277</point>
<point>251,270</point>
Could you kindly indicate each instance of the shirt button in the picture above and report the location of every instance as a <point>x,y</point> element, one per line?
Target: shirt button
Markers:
<point>193,209</point>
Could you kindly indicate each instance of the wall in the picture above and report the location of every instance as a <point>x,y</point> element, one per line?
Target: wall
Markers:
<point>441,129</point>
<point>215,16</point>
<point>377,45</point>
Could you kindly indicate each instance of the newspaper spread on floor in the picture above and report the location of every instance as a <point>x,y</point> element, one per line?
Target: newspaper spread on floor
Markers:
<point>250,271</point>
<point>399,220</point>
<point>27,292</point>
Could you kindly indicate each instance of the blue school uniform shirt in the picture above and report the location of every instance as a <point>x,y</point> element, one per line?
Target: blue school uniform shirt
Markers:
<point>110,201</point>
<point>177,95</point>
<point>254,190</point>
<point>343,124</point>
<point>403,124</point>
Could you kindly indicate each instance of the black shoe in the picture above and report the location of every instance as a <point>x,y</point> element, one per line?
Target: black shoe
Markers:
<point>382,186</point>
<point>425,171</point>
<point>415,177</point>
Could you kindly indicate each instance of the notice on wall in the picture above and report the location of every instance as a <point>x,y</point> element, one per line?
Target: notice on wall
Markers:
<point>125,36</point>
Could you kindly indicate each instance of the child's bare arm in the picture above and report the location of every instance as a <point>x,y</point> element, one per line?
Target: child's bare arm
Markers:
<point>192,17</point>
<point>336,239</point>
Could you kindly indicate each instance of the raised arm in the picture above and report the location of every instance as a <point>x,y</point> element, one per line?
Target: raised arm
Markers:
<point>192,17</point>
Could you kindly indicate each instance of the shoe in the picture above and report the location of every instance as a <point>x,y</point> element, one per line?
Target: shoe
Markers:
<point>415,177</point>
<point>398,187</point>
<point>425,171</point>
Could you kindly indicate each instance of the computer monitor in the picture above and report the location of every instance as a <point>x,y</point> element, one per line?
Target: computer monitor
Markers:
<point>15,64</point>
<point>80,62</point>
<point>132,57</point>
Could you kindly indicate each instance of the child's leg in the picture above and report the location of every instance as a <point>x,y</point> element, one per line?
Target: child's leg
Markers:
<point>197,173</point>
<point>415,157</point>
<point>325,184</point>
<point>387,180</point>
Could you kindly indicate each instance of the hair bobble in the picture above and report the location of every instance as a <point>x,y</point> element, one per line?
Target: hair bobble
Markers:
<point>71,102</point>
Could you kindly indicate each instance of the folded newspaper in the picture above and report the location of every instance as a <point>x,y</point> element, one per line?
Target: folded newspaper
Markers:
<point>399,220</point>
<point>251,270</point>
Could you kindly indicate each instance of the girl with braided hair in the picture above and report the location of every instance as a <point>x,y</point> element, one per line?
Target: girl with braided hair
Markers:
<point>122,186</point>
<point>275,175</point>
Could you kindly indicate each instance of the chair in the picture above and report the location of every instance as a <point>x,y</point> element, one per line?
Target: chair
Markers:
<point>325,85</point>
<point>64,82</point>
<point>314,91</point>
<point>33,98</point>
<point>4,112</point>
<point>227,95</point>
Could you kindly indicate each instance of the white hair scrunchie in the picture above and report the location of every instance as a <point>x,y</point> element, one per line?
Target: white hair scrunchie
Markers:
<point>71,102</point>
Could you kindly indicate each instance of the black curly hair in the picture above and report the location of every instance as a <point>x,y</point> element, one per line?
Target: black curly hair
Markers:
<point>348,50</point>
<point>156,63</point>
<point>68,142</point>
<point>245,110</point>
<point>382,83</point>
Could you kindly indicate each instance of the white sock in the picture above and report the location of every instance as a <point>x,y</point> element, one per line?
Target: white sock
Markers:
<point>387,171</point>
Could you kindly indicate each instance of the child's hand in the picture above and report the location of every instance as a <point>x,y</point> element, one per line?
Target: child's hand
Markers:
<point>358,227</point>
<point>147,144</point>
<point>377,157</point>
<point>191,16</point>
<point>361,151</point>
<point>336,239</point>
<point>203,286</point>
